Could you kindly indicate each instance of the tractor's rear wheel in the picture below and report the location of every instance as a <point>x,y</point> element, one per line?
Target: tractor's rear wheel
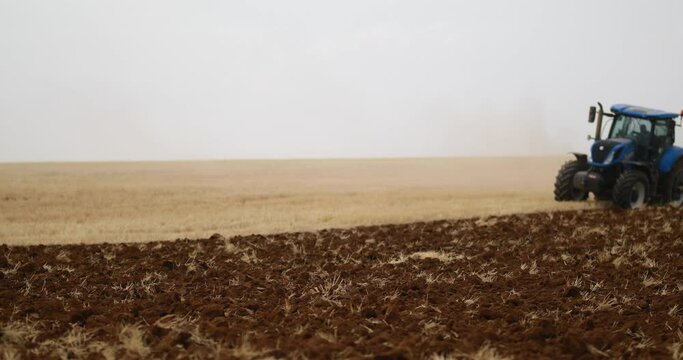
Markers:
<point>564,183</point>
<point>673,186</point>
<point>631,189</point>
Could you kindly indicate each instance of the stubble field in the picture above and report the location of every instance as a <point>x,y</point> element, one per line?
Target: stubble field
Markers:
<point>564,285</point>
<point>57,203</point>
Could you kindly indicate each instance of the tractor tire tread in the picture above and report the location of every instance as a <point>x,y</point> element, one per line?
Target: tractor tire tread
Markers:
<point>621,193</point>
<point>668,181</point>
<point>564,182</point>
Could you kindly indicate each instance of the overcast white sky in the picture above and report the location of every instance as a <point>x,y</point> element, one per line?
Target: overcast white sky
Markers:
<point>143,80</point>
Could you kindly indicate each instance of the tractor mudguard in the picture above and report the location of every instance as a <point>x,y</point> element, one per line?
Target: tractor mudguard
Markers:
<point>582,159</point>
<point>670,158</point>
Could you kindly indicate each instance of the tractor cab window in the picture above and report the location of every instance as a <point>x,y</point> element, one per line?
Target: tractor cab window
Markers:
<point>661,130</point>
<point>639,130</point>
<point>663,134</point>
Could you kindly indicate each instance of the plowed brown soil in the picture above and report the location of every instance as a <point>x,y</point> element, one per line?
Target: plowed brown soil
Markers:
<point>562,285</point>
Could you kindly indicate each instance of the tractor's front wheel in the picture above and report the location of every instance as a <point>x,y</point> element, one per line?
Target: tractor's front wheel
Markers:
<point>673,186</point>
<point>564,183</point>
<point>631,189</point>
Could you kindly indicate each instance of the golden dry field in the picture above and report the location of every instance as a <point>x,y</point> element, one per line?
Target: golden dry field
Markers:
<point>57,203</point>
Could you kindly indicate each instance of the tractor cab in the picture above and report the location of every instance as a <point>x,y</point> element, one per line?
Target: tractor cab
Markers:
<point>636,133</point>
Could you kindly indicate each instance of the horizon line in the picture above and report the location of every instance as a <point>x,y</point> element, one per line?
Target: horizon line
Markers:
<point>283,159</point>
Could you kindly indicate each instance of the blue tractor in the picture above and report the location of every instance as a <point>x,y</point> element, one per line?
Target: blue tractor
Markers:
<point>635,164</point>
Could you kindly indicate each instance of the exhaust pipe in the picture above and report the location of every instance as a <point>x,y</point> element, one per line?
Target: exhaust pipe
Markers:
<point>598,127</point>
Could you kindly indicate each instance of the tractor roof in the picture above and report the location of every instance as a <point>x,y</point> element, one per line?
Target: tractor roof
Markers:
<point>642,112</point>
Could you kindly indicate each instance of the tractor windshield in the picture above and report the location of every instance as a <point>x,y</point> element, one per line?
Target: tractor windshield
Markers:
<point>639,130</point>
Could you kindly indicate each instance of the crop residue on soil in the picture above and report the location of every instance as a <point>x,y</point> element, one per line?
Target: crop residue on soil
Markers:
<point>560,285</point>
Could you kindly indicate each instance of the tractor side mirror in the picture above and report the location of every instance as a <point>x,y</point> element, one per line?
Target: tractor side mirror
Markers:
<point>591,115</point>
